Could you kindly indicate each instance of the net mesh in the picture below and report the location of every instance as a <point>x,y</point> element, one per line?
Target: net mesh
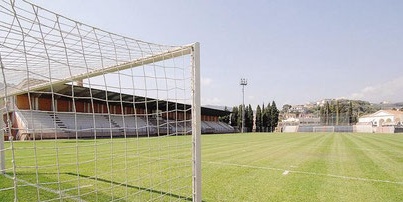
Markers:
<point>106,116</point>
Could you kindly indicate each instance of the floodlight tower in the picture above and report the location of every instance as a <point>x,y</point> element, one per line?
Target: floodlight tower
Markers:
<point>243,83</point>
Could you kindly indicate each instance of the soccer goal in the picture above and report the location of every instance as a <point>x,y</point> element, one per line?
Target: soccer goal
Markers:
<point>328,129</point>
<point>89,115</point>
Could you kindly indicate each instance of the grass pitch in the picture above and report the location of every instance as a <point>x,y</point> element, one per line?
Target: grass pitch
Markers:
<point>236,167</point>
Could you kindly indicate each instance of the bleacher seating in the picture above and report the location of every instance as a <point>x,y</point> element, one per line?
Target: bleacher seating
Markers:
<point>216,127</point>
<point>68,124</point>
<point>38,122</point>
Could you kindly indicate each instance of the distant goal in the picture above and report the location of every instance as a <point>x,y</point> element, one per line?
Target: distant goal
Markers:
<point>89,115</point>
<point>329,129</point>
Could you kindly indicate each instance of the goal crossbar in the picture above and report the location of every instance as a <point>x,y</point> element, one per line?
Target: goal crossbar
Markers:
<point>176,52</point>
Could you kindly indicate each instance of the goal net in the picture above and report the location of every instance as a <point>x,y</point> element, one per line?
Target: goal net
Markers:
<point>89,115</point>
<point>323,129</point>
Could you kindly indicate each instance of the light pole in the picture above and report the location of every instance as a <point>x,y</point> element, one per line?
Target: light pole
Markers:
<point>243,83</point>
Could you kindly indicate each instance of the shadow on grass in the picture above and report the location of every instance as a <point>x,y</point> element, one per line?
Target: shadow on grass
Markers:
<point>132,186</point>
<point>112,182</point>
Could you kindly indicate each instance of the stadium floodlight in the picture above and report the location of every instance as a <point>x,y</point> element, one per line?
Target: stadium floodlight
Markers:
<point>243,83</point>
<point>115,112</point>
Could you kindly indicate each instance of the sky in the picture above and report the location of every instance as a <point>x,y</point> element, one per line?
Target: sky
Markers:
<point>290,51</point>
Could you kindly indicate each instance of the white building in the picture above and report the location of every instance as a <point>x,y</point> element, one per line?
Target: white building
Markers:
<point>301,119</point>
<point>383,118</point>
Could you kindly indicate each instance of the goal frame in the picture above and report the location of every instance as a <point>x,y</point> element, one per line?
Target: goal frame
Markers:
<point>64,79</point>
<point>324,129</point>
<point>193,50</point>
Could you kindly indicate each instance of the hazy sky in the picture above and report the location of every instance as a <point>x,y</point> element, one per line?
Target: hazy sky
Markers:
<point>291,51</point>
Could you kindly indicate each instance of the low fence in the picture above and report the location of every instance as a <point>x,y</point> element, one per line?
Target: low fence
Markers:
<point>343,129</point>
<point>290,129</point>
<point>385,129</point>
<point>399,130</point>
<point>363,129</point>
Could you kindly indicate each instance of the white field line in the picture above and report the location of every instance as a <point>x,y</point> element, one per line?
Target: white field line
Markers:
<point>354,148</point>
<point>75,198</point>
<point>307,173</point>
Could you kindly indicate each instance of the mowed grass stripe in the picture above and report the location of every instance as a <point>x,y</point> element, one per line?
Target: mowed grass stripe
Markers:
<point>388,158</point>
<point>284,155</point>
<point>300,186</point>
<point>236,167</point>
<point>266,176</point>
<point>319,180</point>
<point>393,142</point>
<point>153,168</point>
<point>340,181</point>
<point>267,146</point>
<point>376,158</point>
<point>372,169</point>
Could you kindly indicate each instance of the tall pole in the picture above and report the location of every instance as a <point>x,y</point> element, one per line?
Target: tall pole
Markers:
<point>243,83</point>
<point>196,125</point>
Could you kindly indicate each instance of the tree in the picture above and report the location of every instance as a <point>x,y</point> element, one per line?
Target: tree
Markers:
<point>337,109</point>
<point>332,111</point>
<point>286,108</point>
<point>258,122</point>
<point>226,118</point>
<point>240,116</point>
<point>327,112</point>
<point>274,116</point>
<point>264,118</point>
<point>249,120</point>
<point>268,116</point>
<point>234,116</point>
<point>350,113</point>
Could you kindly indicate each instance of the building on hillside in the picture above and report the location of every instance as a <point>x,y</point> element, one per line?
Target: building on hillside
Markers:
<point>322,103</point>
<point>298,109</point>
<point>300,119</point>
<point>382,118</point>
<point>293,122</point>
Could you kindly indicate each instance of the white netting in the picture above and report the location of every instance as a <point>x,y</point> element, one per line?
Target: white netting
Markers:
<point>106,116</point>
<point>323,129</point>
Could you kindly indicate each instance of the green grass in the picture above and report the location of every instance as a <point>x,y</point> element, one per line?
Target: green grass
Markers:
<point>236,167</point>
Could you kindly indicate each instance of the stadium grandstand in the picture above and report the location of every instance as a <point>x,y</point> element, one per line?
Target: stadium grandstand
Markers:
<point>43,115</point>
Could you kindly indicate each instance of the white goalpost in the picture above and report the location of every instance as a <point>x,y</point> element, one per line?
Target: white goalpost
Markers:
<point>89,115</point>
<point>2,155</point>
<point>323,129</point>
